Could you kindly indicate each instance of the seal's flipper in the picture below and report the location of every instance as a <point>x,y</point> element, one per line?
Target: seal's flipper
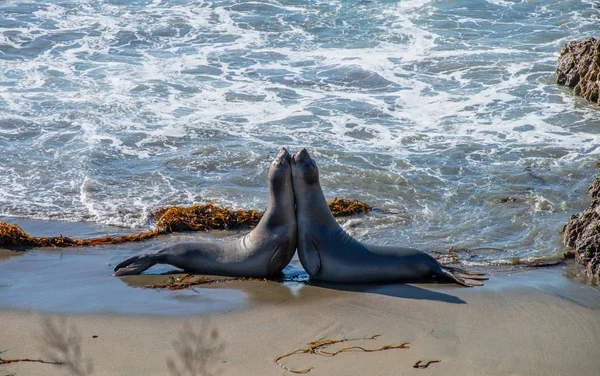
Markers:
<point>135,265</point>
<point>463,278</point>
<point>478,277</point>
<point>473,282</point>
<point>310,259</point>
<point>281,258</point>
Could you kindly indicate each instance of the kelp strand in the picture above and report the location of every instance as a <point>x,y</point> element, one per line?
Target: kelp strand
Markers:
<point>188,281</point>
<point>318,348</point>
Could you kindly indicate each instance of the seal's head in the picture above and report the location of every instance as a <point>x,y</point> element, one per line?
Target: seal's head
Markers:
<point>304,169</point>
<point>280,169</point>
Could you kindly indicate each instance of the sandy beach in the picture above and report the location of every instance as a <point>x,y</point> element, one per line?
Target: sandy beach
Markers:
<point>533,322</point>
<point>448,120</point>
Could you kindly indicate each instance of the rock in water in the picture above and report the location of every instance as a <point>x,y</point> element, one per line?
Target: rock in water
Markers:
<point>578,67</point>
<point>583,233</point>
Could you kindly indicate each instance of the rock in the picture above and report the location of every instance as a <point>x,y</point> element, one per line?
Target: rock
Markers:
<point>582,233</point>
<point>578,67</point>
<point>505,200</point>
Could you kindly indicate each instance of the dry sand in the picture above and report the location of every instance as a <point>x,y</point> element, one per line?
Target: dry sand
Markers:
<point>528,323</point>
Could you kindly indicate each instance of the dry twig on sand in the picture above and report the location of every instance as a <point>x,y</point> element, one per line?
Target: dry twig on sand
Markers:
<point>9,361</point>
<point>422,365</point>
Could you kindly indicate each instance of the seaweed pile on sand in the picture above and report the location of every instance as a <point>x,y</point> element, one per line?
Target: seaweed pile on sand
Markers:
<point>168,219</point>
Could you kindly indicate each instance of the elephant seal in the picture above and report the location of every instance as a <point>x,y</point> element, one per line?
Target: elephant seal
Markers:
<point>262,253</point>
<point>329,254</point>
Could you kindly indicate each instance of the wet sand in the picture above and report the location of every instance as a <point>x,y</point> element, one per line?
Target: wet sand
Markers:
<point>522,322</point>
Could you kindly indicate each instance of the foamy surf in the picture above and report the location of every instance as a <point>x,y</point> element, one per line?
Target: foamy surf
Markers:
<point>447,115</point>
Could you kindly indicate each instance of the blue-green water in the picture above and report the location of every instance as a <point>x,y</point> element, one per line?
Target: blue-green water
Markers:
<point>435,109</point>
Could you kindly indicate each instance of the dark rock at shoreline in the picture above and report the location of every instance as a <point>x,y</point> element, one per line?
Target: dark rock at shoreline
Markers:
<point>582,233</point>
<point>578,67</point>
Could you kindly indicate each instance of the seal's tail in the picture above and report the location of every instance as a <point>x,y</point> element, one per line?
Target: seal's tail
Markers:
<point>464,277</point>
<point>135,265</point>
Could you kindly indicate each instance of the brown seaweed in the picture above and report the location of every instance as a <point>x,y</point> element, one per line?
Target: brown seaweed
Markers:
<point>187,281</point>
<point>452,255</point>
<point>341,207</point>
<point>168,219</point>
<point>203,218</point>
<point>317,348</point>
<point>456,255</point>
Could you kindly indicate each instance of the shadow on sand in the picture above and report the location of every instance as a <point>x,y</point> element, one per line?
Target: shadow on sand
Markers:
<point>398,290</point>
<point>275,292</point>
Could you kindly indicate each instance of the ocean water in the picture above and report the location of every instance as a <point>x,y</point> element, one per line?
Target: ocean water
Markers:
<point>444,112</point>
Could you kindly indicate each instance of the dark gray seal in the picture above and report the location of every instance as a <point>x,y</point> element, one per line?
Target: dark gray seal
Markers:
<point>328,253</point>
<point>262,253</point>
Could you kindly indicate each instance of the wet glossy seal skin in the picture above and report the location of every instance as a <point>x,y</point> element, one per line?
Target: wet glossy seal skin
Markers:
<point>328,253</point>
<point>262,253</point>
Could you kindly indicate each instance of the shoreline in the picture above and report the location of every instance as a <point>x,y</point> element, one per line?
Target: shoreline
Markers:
<point>526,323</point>
<point>523,321</point>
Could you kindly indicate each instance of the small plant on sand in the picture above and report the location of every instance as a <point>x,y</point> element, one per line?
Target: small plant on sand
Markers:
<point>61,343</point>
<point>196,352</point>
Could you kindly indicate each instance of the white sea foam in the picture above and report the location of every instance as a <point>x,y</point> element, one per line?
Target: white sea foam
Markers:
<point>421,102</point>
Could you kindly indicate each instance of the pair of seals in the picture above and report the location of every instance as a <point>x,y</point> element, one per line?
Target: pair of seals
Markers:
<point>326,251</point>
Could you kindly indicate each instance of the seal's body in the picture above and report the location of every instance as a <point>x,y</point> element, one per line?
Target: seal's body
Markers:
<point>328,253</point>
<point>263,252</point>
